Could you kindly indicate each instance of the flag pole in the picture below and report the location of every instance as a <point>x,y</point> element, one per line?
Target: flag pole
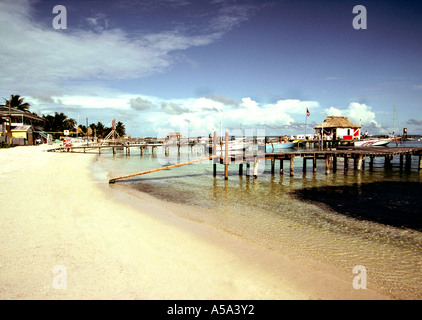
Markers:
<point>306,122</point>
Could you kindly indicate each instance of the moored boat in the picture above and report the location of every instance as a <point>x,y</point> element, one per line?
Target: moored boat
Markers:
<point>372,143</point>
<point>280,145</point>
<point>232,146</point>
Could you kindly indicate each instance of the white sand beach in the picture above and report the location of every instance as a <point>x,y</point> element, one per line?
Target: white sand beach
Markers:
<point>114,246</point>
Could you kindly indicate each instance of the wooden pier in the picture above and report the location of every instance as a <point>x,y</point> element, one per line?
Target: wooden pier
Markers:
<point>152,147</point>
<point>330,159</point>
<point>352,157</point>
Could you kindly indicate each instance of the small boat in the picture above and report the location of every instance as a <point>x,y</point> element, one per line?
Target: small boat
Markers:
<point>372,143</point>
<point>280,145</point>
<point>232,146</point>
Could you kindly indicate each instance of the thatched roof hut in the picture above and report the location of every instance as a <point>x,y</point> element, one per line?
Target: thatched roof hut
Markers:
<point>337,122</point>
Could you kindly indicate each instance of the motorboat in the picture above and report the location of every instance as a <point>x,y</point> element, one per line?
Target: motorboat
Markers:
<point>280,145</point>
<point>372,143</point>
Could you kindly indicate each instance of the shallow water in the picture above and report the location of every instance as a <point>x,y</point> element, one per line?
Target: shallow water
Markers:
<point>347,218</point>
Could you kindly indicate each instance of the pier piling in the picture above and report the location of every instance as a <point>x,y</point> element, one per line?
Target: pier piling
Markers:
<point>292,166</point>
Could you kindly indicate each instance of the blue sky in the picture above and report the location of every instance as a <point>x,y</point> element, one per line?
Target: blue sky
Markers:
<point>184,65</point>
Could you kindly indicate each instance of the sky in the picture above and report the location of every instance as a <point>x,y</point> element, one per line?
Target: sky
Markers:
<point>198,66</point>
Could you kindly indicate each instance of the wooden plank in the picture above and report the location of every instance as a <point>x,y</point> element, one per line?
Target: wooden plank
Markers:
<point>160,169</point>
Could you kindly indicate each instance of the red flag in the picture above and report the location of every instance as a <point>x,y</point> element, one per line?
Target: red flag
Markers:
<point>307,112</point>
<point>114,124</point>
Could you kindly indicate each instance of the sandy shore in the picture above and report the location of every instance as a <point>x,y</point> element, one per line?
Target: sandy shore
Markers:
<point>65,235</point>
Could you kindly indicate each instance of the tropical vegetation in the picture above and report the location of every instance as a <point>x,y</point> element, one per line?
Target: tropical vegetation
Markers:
<point>59,122</point>
<point>16,101</point>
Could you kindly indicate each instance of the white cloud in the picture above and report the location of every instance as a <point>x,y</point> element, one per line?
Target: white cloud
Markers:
<point>146,115</point>
<point>206,114</point>
<point>358,113</point>
<point>35,58</point>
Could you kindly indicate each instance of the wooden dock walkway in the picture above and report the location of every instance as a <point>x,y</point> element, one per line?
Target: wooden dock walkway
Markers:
<point>114,147</point>
<point>358,155</point>
<point>330,158</point>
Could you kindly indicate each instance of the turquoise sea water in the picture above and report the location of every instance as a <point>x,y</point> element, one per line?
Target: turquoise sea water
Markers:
<point>347,218</point>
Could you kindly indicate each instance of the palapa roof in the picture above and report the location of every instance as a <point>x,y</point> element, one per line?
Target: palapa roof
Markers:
<point>337,122</point>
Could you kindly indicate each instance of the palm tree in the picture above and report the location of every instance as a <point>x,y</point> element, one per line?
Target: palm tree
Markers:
<point>58,124</point>
<point>17,102</point>
<point>69,124</point>
<point>101,130</point>
<point>120,129</point>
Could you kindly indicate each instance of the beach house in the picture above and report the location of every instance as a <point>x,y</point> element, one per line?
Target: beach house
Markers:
<point>19,127</point>
<point>338,128</point>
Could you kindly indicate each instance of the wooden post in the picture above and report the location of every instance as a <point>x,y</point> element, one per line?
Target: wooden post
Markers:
<point>226,158</point>
<point>272,165</point>
<point>248,168</point>
<point>420,162</point>
<point>359,164</point>
<point>346,163</point>
<point>314,165</point>
<point>304,165</point>
<point>327,164</point>
<point>334,163</point>
<point>408,160</point>
<point>255,167</point>
<point>401,161</point>
<point>292,165</point>
<point>214,152</point>
<point>371,162</point>
<point>178,144</point>
<point>281,166</point>
<point>240,169</point>
<point>387,162</point>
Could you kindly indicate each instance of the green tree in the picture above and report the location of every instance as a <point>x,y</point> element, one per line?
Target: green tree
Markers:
<point>120,129</point>
<point>69,124</point>
<point>16,101</point>
<point>82,129</point>
<point>101,130</point>
<point>57,124</point>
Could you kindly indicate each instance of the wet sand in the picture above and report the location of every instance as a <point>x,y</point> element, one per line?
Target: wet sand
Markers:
<point>111,245</point>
